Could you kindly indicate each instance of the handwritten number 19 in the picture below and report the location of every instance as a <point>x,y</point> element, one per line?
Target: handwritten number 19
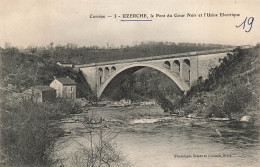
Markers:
<point>249,21</point>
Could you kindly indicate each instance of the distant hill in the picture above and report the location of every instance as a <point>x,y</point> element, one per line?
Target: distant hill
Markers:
<point>86,55</point>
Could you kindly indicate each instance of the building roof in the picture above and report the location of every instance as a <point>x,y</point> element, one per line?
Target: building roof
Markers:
<point>66,81</point>
<point>44,88</point>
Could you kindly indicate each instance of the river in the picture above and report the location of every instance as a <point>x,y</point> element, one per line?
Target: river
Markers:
<point>149,137</point>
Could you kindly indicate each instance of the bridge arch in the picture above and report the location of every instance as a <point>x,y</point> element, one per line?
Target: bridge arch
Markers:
<point>106,73</point>
<point>176,67</point>
<point>113,69</point>
<point>167,65</point>
<point>186,70</point>
<point>182,85</point>
<point>100,76</point>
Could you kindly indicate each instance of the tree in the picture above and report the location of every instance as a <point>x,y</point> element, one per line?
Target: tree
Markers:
<point>236,100</point>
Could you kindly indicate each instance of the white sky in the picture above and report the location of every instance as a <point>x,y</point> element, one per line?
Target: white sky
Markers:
<point>39,22</point>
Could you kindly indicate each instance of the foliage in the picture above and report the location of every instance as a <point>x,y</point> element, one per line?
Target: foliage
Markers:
<point>215,111</point>
<point>236,100</point>
<point>238,94</point>
<point>23,70</point>
<point>191,108</point>
<point>29,131</point>
<point>165,104</point>
<point>230,66</point>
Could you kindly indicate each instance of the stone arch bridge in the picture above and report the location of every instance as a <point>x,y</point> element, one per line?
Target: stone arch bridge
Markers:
<point>183,68</point>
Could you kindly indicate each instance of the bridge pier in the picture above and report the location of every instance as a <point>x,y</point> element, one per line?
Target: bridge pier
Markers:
<point>193,70</point>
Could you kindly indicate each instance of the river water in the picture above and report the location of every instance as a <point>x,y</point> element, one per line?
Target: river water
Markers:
<point>168,144</point>
<point>180,142</point>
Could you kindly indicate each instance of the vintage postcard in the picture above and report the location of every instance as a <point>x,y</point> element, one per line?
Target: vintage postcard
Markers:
<point>95,83</point>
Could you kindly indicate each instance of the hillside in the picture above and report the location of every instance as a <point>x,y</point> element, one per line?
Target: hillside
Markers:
<point>231,90</point>
<point>20,71</point>
<point>86,55</point>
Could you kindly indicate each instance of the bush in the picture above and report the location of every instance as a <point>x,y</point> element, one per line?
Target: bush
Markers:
<point>215,111</point>
<point>29,131</point>
<point>236,100</point>
<point>191,108</point>
<point>165,103</point>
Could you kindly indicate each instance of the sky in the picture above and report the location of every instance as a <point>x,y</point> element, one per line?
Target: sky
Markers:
<point>39,22</point>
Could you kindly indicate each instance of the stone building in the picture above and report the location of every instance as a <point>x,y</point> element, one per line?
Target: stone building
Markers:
<point>43,94</point>
<point>65,87</point>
